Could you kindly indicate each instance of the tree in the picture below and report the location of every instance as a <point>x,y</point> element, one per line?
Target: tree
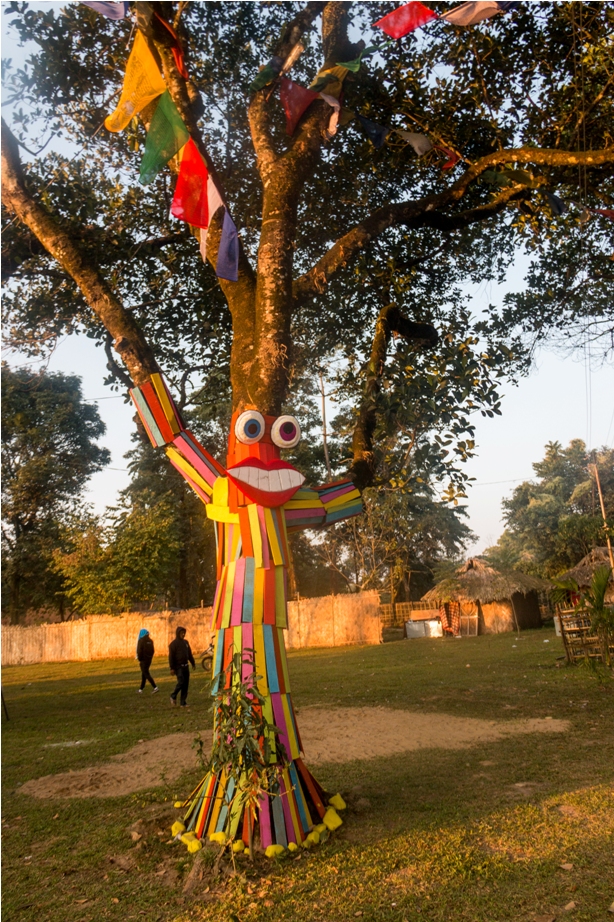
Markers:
<point>336,246</point>
<point>49,451</point>
<point>554,522</point>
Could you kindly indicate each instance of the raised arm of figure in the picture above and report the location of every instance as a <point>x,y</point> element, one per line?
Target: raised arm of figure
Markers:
<point>321,506</point>
<point>165,428</point>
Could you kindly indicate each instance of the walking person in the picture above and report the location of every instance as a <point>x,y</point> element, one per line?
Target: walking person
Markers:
<point>144,654</point>
<point>179,659</point>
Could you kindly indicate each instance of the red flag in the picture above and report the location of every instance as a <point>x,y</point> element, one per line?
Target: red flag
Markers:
<point>190,198</point>
<point>452,156</point>
<point>405,19</point>
<point>176,48</point>
<point>296,100</point>
<point>606,212</point>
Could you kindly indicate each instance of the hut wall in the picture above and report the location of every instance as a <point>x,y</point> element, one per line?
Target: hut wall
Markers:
<point>527,610</point>
<point>496,617</point>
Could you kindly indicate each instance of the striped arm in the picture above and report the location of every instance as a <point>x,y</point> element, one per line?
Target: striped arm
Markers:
<point>165,429</point>
<point>322,506</point>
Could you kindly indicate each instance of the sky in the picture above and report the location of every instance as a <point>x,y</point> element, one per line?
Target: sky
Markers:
<point>561,399</point>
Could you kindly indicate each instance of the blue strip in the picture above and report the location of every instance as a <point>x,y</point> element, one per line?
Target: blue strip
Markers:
<point>219,661</point>
<point>271,665</point>
<point>279,820</point>
<point>298,796</point>
<point>146,413</point>
<point>221,822</point>
<point>248,590</point>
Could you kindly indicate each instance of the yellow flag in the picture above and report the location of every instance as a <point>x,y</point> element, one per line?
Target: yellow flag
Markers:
<point>142,84</point>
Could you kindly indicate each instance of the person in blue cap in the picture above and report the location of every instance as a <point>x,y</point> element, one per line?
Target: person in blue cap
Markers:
<point>144,654</point>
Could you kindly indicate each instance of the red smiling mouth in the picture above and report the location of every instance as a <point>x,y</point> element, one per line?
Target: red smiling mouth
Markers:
<point>271,484</point>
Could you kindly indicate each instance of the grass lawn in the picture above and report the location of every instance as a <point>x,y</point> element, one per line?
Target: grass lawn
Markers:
<point>473,834</point>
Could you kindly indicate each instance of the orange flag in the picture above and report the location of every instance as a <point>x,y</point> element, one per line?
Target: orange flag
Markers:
<point>142,84</point>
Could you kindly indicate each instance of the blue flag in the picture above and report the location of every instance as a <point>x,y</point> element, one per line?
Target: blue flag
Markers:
<point>110,10</point>
<point>227,265</point>
<point>377,134</point>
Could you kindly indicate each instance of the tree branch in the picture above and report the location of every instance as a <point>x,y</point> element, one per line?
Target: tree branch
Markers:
<point>390,321</point>
<point>425,212</point>
<point>128,338</point>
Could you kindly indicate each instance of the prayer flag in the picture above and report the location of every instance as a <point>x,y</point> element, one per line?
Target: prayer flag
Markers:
<point>452,156</point>
<point>333,122</point>
<point>227,266</point>
<point>377,134</point>
<point>176,48</point>
<point>468,14</point>
<point>405,19</point>
<point>296,100</point>
<point>142,84</point>
<point>606,212</point>
<point>268,73</point>
<point>110,10</point>
<point>330,79</point>
<point>214,202</point>
<point>167,134</point>
<point>190,198</point>
<point>419,142</point>
<point>557,205</point>
<point>346,116</point>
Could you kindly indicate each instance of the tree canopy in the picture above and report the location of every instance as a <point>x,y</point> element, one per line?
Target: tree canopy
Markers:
<point>554,521</point>
<point>354,258</point>
<point>49,451</point>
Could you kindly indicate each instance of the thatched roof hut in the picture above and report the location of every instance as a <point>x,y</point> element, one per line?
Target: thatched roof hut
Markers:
<point>583,572</point>
<point>501,600</point>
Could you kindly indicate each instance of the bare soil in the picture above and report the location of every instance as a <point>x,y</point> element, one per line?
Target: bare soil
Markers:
<point>335,735</point>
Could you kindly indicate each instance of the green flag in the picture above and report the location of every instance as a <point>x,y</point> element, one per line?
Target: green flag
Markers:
<point>166,136</point>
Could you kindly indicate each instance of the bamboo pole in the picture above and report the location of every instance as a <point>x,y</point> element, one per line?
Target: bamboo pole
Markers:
<point>605,521</point>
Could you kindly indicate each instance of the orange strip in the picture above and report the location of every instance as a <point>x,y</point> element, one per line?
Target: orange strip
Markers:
<point>246,534</point>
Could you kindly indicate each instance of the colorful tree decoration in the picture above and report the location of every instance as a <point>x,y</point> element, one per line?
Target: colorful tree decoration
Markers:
<point>405,19</point>
<point>468,14</point>
<point>166,136</point>
<point>142,84</point>
<point>110,10</point>
<point>296,100</point>
<point>253,503</point>
<point>190,199</point>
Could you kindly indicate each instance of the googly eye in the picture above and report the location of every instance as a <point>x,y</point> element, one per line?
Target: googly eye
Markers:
<point>249,427</point>
<point>285,432</point>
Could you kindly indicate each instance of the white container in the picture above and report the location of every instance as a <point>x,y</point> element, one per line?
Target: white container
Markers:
<point>433,628</point>
<point>415,629</point>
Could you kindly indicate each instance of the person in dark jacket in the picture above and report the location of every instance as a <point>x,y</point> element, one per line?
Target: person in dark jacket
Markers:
<point>179,658</point>
<point>144,654</point>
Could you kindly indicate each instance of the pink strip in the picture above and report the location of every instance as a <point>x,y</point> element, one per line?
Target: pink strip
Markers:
<point>330,496</point>
<point>266,563</point>
<point>265,821</point>
<point>237,594</point>
<point>304,513</point>
<point>280,722</point>
<point>190,455</point>
<point>205,498</point>
<point>287,812</point>
<point>247,637</point>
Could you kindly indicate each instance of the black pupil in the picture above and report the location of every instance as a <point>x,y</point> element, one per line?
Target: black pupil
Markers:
<point>288,428</point>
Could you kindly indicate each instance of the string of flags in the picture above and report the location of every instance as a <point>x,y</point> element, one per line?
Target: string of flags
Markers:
<point>196,197</point>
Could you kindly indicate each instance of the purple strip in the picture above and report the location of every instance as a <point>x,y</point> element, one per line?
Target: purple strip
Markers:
<point>304,513</point>
<point>266,563</point>
<point>287,812</point>
<point>265,821</point>
<point>280,722</point>
<point>237,594</point>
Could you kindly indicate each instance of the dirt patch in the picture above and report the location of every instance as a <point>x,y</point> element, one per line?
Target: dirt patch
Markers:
<point>337,735</point>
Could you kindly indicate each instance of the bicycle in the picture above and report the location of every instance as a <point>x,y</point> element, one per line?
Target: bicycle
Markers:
<point>206,660</point>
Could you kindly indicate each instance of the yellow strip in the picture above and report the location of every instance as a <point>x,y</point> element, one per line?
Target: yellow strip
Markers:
<point>281,614</point>
<point>254,527</point>
<point>315,503</point>
<point>294,750</point>
<point>230,582</point>
<point>220,491</point>
<point>222,514</point>
<point>284,662</point>
<point>217,803</point>
<point>341,500</point>
<point>185,466</point>
<point>260,665</point>
<point>285,549</point>
<point>258,615</point>
<point>272,536</point>
<point>238,648</point>
<point>169,412</point>
<point>305,494</point>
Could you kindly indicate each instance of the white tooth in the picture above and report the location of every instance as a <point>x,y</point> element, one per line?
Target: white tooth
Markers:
<point>285,478</point>
<point>263,480</point>
<point>275,483</point>
<point>252,476</point>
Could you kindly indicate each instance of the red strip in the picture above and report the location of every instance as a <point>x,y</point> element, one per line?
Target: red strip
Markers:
<point>157,412</point>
